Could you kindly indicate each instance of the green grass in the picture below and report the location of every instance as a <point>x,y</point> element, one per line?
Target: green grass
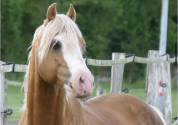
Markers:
<point>15,97</point>
<point>14,101</point>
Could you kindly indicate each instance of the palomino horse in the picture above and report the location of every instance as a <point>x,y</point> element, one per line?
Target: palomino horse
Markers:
<point>56,59</point>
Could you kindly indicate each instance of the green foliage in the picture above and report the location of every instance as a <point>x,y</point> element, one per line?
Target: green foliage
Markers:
<point>11,29</point>
<point>130,26</point>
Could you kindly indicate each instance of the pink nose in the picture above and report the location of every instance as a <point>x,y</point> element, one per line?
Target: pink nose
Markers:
<point>83,83</point>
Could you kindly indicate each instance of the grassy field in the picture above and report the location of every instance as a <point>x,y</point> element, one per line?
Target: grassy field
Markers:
<point>15,97</point>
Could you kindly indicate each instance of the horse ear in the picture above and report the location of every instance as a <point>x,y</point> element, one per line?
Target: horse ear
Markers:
<point>71,12</point>
<point>51,12</point>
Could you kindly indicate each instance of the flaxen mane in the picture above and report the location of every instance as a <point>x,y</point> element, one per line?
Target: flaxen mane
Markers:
<point>61,24</point>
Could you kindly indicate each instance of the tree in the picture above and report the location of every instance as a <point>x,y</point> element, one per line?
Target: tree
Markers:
<point>107,25</point>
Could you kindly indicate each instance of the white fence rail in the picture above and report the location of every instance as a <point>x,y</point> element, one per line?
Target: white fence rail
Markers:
<point>117,69</point>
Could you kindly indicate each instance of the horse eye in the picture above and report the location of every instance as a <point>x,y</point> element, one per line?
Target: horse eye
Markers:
<point>56,44</point>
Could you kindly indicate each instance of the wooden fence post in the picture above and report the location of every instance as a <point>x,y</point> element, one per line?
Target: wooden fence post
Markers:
<point>159,85</point>
<point>2,97</point>
<point>117,71</point>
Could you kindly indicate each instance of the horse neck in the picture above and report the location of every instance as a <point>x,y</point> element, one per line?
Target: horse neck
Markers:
<point>44,105</point>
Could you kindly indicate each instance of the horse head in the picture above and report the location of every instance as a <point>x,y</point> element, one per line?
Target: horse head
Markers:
<point>60,49</point>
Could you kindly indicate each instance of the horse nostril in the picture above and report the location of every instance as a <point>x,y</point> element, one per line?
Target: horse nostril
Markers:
<point>84,91</point>
<point>81,80</point>
<point>70,84</point>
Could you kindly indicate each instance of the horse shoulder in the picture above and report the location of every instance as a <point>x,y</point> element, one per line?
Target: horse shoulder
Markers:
<point>124,108</point>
